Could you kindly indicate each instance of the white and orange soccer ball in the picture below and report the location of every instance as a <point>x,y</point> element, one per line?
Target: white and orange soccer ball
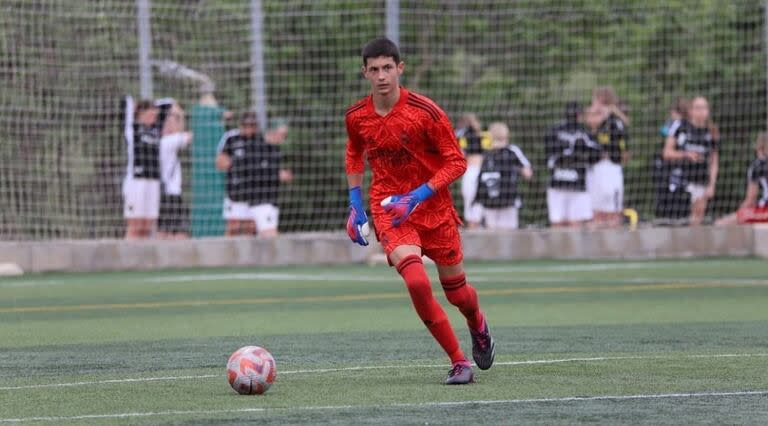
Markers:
<point>251,370</point>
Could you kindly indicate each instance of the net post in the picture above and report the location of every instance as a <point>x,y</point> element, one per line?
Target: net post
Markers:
<point>258,87</point>
<point>765,46</point>
<point>393,20</point>
<point>145,47</point>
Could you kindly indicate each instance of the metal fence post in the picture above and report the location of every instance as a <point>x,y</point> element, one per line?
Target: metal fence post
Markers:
<point>258,85</point>
<point>145,48</point>
<point>393,21</point>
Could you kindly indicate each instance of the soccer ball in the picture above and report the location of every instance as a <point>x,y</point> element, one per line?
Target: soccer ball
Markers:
<point>251,370</point>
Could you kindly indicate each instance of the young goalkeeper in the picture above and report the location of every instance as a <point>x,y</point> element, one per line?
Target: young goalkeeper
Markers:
<point>413,154</point>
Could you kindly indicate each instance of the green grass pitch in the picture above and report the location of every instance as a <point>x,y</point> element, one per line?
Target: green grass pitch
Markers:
<point>578,342</point>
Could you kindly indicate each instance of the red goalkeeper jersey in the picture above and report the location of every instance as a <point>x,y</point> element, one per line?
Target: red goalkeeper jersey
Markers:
<point>413,144</point>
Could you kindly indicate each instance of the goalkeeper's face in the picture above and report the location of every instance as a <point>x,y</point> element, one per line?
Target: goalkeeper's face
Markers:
<point>383,74</point>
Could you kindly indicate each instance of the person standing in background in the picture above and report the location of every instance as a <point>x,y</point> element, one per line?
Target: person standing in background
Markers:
<point>268,174</point>
<point>569,151</point>
<point>672,200</point>
<point>469,133</point>
<point>605,179</point>
<point>754,208</point>
<point>502,167</point>
<point>236,153</point>
<point>174,213</point>
<point>693,145</point>
<point>276,135</point>
<point>141,187</point>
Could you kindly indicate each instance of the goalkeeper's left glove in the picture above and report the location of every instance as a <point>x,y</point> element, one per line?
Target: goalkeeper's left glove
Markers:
<point>399,207</point>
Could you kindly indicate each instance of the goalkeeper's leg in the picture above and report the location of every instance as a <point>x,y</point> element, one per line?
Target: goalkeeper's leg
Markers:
<point>461,294</point>
<point>443,245</point>
<point>410,266</point>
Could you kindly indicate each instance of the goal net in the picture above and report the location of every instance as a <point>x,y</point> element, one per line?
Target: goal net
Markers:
<point>65,66</point>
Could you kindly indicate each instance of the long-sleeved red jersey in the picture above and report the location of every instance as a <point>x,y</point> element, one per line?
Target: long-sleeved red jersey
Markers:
<point>413,144</point>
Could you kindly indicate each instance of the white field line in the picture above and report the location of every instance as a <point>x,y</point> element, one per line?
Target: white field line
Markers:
<point>568,399</point>
<point>618,266</point>
<point>382,367</point>
<point>387,277</point>
<point>281,276</point>
<point>243,276</point>
<point>272,276</point>
<point>473,278</point>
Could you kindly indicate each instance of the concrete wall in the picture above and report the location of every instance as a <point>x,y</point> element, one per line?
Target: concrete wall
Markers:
<point>335,248</point>
<point>761,241</point>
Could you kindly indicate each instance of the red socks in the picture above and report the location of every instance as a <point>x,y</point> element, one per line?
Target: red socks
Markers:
<point>411,268</point>
<point>464,297</point>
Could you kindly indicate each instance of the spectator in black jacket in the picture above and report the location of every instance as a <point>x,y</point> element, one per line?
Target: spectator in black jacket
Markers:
<point>501,169</point>
<point>569,151</point>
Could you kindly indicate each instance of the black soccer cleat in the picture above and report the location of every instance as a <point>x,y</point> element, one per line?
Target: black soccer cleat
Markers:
<point>483,347</point>
<point>460,374</point>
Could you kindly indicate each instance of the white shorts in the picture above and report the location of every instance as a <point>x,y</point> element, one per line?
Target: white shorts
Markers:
<point>605,185</point>
<point>141,198</point>
<point>472,212</point>
<point>265,216</point>
<point>570,206</point>
<point>697,191</point>
<point>236,210</point>
<point>504,218</point>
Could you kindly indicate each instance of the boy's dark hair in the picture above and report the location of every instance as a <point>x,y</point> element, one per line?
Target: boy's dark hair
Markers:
<point>249,118</point>
<point>381,46</point>
<point>144,105</point>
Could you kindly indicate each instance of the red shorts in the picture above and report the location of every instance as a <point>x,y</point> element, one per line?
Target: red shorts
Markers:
<point>753,215</point>
<point>441,244</point>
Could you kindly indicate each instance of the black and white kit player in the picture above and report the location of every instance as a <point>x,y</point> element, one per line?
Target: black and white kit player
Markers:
<point>497,189</point>
<point>569,150</point>
<point>253,180</point>
<point>605,179</point>
<point>758,174</point>
<point>699,140</point>
<point>141,185</point>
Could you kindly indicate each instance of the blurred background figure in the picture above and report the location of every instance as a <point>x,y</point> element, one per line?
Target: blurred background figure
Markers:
<point>754,208</point>
<point>569,151</point>
<point>174,212</point>
<point>235,156</point>
<point>269,174</point>
<point>605,179</point>
<point>469,133</point>
<point>276,135</point>
<point>692,145</point>
<point>144,122</point>
<point>672,200</point>
<point>501,169</point>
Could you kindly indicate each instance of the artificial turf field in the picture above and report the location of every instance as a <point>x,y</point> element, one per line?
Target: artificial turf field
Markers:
<point>606,342</point>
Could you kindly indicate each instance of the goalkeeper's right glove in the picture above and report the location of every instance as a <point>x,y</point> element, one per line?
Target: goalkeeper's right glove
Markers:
<point>357,224</point>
